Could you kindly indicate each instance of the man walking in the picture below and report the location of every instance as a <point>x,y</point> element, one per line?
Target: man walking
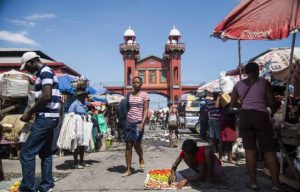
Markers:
<point>46,110</point>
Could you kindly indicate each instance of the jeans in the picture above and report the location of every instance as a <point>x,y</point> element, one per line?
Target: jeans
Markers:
<point>203,128</point>
<point>214,129</point>
<point>39,142</point>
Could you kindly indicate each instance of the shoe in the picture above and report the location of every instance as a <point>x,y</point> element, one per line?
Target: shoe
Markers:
<point>49,190</point>
<point>86,165</point>
<point>276,189</point>
<point>77,167</point>
<point>254,188</point>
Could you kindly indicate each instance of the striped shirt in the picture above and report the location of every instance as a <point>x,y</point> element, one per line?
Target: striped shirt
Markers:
<point>213,112</point>
<point>136,107</point>
<point>46,76</point>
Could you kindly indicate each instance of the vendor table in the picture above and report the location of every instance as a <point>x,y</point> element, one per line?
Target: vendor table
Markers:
<point>288,137</point>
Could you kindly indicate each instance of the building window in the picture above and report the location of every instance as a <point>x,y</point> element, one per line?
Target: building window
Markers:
<point>163,76</point>
<point>129,76</point>
<point>142,75</point>
<point>152,76</point>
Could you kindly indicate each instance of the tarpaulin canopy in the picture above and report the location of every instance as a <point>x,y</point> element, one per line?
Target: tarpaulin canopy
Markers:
<point>276,62</point>
<point>64,83</point>
<point>260,19</point>
<point>214,86</point>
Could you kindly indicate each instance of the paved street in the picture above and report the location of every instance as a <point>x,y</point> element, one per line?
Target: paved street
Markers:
<point>105,173</point>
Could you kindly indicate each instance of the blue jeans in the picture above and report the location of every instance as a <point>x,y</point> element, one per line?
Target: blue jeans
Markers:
<point>203,128</point>
<point>39,142</point>
<point>214,129</point>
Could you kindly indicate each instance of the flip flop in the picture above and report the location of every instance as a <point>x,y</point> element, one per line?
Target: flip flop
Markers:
<point>127,173</point>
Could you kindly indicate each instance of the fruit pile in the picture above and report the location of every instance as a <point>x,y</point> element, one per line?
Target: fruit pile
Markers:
<point>161,175</point>
<point>158,179</point>
<point>15,187</point>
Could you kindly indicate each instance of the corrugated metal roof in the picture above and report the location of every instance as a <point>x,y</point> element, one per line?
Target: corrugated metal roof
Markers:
<point>18,60</point>
<point>18,52</point>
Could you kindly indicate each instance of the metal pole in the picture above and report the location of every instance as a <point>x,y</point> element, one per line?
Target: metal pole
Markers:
<point>289,77</point>
<point>240,58</point>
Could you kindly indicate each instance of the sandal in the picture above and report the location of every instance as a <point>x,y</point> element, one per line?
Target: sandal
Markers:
<point>142,166</point>
<point>127,173</point>
<point>276,189</point>
<point>254,188</point>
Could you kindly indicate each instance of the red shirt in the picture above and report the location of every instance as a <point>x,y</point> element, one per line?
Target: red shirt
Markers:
<point>199,156</point>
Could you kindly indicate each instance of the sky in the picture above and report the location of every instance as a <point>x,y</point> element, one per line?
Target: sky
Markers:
<point>86,34</point>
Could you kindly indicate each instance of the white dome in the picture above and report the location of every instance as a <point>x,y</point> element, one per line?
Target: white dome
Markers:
<point>175,32</point>
<point>129,33</point>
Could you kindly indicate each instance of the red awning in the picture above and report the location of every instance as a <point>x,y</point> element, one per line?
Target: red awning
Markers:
<point>260,19</point>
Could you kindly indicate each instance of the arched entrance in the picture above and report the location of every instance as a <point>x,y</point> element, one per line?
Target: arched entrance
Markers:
<point>158,100</point>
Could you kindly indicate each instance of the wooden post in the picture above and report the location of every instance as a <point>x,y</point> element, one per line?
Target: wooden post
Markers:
<point>289,77</point>
<point>1,171</point>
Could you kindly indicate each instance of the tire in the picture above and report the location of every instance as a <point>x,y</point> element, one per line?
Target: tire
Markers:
<point>197,128</point>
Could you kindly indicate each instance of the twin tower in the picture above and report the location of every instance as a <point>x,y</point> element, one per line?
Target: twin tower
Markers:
<point>160,75</point>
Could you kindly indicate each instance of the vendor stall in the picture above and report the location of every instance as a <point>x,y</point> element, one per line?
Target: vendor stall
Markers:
<point>15,96</point>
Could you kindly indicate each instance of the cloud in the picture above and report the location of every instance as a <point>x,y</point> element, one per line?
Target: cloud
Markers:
<point>36,17</point>
<point>21,22</point>
<point>17,37</point>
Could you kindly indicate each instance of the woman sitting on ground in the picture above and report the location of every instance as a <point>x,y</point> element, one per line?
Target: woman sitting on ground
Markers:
<point>202,164</point>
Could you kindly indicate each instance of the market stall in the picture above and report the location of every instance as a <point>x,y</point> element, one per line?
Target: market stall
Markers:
<point>15,96</point>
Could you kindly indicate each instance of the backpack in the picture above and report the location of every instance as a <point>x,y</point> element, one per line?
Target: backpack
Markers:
<point>172,120</point>
<point>123,108</point>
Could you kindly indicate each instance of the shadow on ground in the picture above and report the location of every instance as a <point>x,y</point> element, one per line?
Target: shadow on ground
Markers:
<point>68,164</point>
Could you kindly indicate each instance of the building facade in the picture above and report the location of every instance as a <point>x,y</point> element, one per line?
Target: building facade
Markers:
<point>160,75</point>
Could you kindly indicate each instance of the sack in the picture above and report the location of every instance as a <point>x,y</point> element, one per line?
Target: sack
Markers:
<point>228,135</point>
<point>172,120</point>
<point>101,119</point>
<point>123,108</point>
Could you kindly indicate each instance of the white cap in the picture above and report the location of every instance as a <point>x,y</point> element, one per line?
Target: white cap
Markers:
<point>27,57</point>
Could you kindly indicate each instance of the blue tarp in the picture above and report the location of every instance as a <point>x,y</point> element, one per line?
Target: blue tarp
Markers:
<point>65,81</point>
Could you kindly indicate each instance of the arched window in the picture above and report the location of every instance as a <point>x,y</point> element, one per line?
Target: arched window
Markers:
<point>142,75</point>
<point>176,76</point>
<point>152,76</point>
<point>129,75</point>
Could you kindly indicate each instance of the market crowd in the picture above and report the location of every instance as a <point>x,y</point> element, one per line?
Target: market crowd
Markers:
<point>253,106</point>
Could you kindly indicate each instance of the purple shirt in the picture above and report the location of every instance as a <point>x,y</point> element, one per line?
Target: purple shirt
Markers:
<point>256,97</point>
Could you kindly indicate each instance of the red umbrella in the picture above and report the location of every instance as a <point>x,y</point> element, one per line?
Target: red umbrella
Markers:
<point>260,19</point>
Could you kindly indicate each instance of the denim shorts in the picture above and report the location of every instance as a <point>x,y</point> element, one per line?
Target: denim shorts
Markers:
<point>214,128</point>
<point>132,132</point>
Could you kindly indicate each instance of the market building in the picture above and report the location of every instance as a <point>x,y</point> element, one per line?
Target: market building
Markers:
<point>11,59</point>
<point>160,75</point>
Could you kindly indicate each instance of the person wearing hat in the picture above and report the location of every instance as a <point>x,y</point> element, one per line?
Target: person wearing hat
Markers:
<point>40,139</point>
<point>78,107</point>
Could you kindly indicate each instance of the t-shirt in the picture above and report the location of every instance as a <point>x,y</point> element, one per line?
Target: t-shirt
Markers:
<point>199,156</point>
<point>136,107</point>
<point>214,112</point>
<point>46,76</point>
<point>77,107</point>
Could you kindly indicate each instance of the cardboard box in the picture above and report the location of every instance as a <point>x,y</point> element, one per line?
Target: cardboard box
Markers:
<point>225,99</point>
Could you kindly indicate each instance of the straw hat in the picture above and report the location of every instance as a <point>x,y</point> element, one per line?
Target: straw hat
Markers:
<point>80,92</point>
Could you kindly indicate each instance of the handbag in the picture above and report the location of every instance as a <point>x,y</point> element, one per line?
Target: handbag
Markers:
<point>235,110</point>
<point>228,135</point>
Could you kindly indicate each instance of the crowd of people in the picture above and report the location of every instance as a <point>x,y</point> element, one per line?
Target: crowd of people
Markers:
<point>253,96</point>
